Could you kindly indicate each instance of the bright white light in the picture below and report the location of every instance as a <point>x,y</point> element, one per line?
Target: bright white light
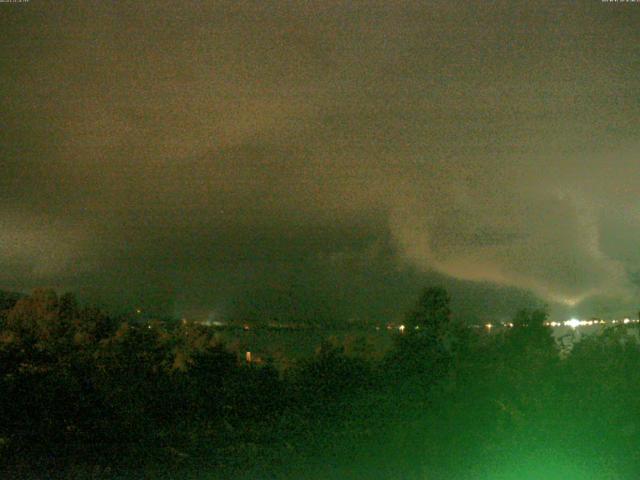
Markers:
<point>573,323</point>
<point>401,328</point>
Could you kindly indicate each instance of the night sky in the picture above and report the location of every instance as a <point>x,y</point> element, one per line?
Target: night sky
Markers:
<point>322,161</point>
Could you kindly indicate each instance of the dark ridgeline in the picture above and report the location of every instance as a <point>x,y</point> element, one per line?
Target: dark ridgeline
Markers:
<point>87,395</point>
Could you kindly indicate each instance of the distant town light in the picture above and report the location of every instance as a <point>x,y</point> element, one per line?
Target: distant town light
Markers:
<point>573,323</point>
<point>401,328</point>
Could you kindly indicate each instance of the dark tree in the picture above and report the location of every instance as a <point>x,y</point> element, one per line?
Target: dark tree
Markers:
<point>423,353</point>
<point>529,329</point>
<point>432,313</point>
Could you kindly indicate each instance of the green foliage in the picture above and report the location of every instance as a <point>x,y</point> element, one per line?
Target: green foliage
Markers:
<point>84,395</point>
<point>432,312</point>
<point>529,334</point>
<point>331,376</point>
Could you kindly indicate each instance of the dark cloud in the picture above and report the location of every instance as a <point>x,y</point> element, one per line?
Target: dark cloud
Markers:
<point>322,160</point>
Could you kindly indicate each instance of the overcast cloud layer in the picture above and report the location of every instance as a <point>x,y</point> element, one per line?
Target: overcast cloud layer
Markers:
<point>322,159</point>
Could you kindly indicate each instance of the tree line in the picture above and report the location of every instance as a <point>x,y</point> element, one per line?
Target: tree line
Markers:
<point>84,394</point>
